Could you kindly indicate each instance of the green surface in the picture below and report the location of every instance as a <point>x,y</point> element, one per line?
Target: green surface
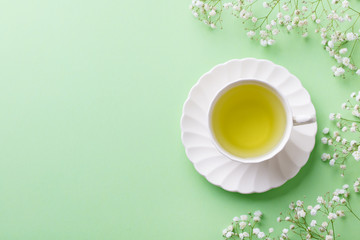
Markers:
<point>91,94</point>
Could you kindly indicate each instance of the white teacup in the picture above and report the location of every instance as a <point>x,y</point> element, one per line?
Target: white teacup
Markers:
<point>289,120</point>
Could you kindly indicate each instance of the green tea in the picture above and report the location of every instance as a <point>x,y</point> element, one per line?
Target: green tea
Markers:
<point>248,120</point>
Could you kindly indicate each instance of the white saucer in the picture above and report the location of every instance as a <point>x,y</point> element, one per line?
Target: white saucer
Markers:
<point>228,174</point>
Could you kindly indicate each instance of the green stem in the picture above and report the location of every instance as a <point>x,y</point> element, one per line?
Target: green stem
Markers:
<point>353,47</point>
<point>352,212</point>
<point>332,226</point>
<point>345,119</point>
<point>354,10</point>
<point>266,17</point>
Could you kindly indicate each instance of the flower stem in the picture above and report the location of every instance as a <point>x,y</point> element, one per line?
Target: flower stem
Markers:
<point>345,119</point>
<point>332,226</point>
<point>353,212</point>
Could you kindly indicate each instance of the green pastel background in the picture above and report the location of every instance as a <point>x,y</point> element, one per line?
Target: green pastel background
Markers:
<point>91,94</point>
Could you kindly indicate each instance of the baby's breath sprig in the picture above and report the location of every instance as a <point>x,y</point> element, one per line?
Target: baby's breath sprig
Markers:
<point>336,22</point>
<point>246,227</point>
<point>304,222</point>
<point>347,126</point>
<point>318,222</point>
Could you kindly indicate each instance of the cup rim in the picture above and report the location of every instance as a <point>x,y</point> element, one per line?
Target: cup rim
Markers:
<point>279,146</point>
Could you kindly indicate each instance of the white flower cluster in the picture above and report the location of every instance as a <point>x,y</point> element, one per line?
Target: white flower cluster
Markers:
<point>357,185</point>
<point>333,22</point>
<point>208,13</point>
<point>343,149</point>
<point>308,222</point>
<point>245,226</point>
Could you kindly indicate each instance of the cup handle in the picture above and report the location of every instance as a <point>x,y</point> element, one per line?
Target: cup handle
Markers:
<point>303,119</point>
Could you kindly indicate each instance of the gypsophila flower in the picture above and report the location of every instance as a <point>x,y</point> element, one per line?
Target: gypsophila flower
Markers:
<point>326,130</point>
<point>243,217</point>
<point>261,235</point>
<point>236,219</point>
<point>313,212</point>
<point>258,213</point>
<point>351,36</point>
<point>301,213</point>
<point>242,225</point>
<point>270,42</point>
<point>313,223</point>
<point>345,4</point>
<point>332,162</point>
<point>229,234</point>
<point>320,200</point>
<point>356,155</point>
<point>251,34</point>
<point>332,116</point>
<point>212,13</point>
<point>263,42</point>
<point>346,61</point>
<point>339,71</point>
<point>324,157</point>
<point>356,185</point>
<point>329,237</point>
<point>343,50</point>
<point>336,199</point>
<point>332,216</point>
<point>340,213</point>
